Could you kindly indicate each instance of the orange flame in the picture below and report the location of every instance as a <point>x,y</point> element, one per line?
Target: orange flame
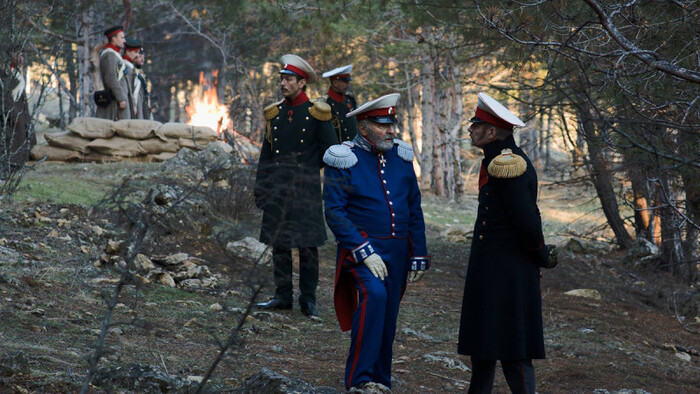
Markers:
<point>205,109</point>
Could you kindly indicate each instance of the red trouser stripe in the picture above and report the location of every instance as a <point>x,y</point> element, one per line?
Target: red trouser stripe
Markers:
<point>363,309</point>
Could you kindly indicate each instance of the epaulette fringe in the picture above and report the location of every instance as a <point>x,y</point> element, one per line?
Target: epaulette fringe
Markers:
<point>320,110</point>
<point>507,165</point>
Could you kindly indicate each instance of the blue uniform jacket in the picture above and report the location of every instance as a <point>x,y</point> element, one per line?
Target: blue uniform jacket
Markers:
<point>374,199</point>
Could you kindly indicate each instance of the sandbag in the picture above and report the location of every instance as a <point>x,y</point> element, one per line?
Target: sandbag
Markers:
<point>54,153</point>
<point>156,145</point>
<point>138,129</point>
<point>193,144</point>
<point>117,146</point>
<point>181,130</point>
<point>92,127</point>
<point>161,157</point>
<point>68,140</point>
<point>94,157</point>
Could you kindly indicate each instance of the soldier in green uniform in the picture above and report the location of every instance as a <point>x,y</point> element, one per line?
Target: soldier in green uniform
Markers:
<point>288,184</point>
<point>341,102</point>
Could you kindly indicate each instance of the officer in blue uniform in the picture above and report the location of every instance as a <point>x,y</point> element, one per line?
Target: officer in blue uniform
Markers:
<point>342,102</point>
<point>373,206</point>
<point>288,184</point>
<point>502,306</point>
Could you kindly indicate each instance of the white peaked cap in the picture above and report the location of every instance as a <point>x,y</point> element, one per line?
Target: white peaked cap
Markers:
<point>384,106</point>
<point>338,71</point>
<point>293,64</point>
<point>496,109</point>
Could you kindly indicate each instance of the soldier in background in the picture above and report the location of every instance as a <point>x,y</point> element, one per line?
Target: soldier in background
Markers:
<point>288,184</point>
<point>132,48</point>
<point>115,106</point>
<point>141,97</point>
<point>341,102</point>
<point>18,139</point>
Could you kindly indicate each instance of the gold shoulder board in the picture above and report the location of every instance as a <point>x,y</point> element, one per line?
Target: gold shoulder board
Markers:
<point>507,165</point>
<point>272,110</point>
<point>320,110</point>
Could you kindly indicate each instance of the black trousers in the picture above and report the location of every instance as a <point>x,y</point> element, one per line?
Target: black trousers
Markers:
<point>308,274</point>
<point>520,375</point>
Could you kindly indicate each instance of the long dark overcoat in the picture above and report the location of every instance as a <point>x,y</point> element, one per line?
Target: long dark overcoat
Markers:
<point>288,180</point>
<point>502,305</point>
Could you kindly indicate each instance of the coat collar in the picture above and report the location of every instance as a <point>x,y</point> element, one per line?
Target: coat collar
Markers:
<point>335,95</point>
<point>494,149</point>
<point>301,98</point>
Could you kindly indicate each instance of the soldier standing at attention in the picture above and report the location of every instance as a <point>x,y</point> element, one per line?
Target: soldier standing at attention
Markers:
<point>373,207</point>
<point>140,96</point>
<point>132,48</point>
<point>112,72</point>
<point>502,306</point>
<point>288,184</point>
<point>341,102</point>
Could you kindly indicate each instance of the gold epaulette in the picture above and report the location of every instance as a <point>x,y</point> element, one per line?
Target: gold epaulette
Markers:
<point>320,110</point>
<point>507,165</point>
<point>272,110</point>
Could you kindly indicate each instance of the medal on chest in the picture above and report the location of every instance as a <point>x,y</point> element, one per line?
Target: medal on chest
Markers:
<point>289,116</point>
<point>382,160</point>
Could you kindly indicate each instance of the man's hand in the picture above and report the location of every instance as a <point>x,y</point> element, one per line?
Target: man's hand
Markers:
<point>376,266</point>
<point>552,259</point>
<point>122,105</point>
<point>415,276</point>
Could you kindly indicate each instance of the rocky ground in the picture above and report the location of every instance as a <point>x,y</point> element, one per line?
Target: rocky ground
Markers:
<point>626,326</point>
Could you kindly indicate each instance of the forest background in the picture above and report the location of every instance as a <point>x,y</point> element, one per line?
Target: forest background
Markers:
<point>612,85</point>
<point>609,90</point>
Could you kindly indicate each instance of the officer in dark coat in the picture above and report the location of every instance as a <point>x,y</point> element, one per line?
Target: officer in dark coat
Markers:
<point>502,306</point>
<point>288,184</point>
<point>373,207</point>
<point>15,119</point>
<point>342,102</point>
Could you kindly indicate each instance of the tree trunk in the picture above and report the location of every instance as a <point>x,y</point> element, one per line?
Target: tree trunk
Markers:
<point>69,58</point>
<point>603,180</point>
<point>689,147</point>
<point>428,120</point>
<point>411,117</point>
<point>671,244</point>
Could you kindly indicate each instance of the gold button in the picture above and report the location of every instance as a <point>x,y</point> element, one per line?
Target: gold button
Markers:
<point>486,208</point>
<point>481,237</point>
<point>303,130</point>
<point>307,118</point>
<point>302,141</point>
<point>484,223</point>
<point>275,139</point>
<point>277,151</point>
<point>274,128</point>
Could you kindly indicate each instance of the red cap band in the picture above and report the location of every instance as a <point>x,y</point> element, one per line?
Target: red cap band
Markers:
<point>296,70</point>
<point>114,33</point>
<point>377,112</point>
<point>496,121</point>
<point>340,76</point>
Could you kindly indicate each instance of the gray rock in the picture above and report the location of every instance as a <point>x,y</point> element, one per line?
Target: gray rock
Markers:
<point>269,382</point>
<point>623,391</point>
<point>142,378</point>
<point>16,364</point>
<point>580,246</point>
<point>641,251</point>
<point>250,249</point>
<point>447,362</point>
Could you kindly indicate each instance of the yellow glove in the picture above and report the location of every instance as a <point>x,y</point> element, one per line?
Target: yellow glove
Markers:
<point>376,266</point>
<point>415,276</point>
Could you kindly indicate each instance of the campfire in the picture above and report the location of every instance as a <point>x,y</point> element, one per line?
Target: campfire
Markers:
<point>204,108</point>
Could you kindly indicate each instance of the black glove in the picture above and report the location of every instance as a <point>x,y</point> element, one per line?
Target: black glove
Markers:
<point>552,259</point>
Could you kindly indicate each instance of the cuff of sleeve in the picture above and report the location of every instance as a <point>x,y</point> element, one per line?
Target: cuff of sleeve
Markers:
<point>362,252</point>
<point>420,263</point>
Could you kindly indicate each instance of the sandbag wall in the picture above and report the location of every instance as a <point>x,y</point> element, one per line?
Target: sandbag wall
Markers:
<point>95,139</point>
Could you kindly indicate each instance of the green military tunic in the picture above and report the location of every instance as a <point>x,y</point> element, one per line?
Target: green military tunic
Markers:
<point>345,128</point>
<point>288,181</point>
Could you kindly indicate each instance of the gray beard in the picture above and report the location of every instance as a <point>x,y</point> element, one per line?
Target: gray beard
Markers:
<point>384,145</point>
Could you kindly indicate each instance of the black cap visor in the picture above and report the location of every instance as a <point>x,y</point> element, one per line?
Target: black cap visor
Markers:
<point>389,119</point>
<point>477,120</point>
